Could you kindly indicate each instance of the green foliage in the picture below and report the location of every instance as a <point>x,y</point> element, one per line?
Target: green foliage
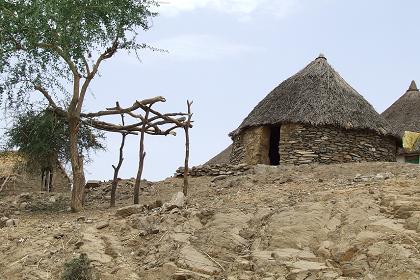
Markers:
<point>77,269</point>
<point>43,138</point>
<point>41,40</point>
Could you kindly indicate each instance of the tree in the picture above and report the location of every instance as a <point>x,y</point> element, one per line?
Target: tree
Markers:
<point>51,45</point>
<point>43,138</point>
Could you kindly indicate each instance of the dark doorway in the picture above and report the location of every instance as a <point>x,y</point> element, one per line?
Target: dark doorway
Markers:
<point>274,152</point>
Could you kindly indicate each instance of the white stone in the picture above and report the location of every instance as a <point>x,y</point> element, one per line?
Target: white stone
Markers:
<point>178,201</point>
<point>196,261</point>
<point>10,223</point>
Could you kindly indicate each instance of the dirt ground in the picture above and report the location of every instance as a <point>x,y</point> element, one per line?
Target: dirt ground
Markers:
<point>346,221</point>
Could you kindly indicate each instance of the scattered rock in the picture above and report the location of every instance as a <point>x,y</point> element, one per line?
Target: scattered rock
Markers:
<point>58,235</point>
<point>306,266</point>
<point>81,219</point>
<point>10,223</point>
<point>3,221</point>
<point>205,215</point>
<point>129,210</point>
<point>196,261</point>
<point>23,205</point>
<point>352,270</point>
<point>413,222</point>
<point>102,225</point>
<point>306,222</point>
<point>156,204</point>
<point>145,224</point>
<point>183,274</point>
<point>244,265</point>
<point>24,197</point>
<point>178,201</point>
<point>218,178</point>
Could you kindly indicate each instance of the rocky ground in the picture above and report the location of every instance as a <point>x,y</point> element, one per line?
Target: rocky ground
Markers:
<point>347,221</point>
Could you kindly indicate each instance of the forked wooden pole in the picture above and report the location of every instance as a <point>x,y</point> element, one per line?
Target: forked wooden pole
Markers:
<point>187,149</point>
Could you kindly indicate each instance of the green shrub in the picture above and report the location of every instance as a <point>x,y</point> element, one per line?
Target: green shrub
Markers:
<point>77,269</point>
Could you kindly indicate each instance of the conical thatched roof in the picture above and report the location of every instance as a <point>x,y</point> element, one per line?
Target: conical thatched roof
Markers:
<point>404,114</point>
<point>317,95</point>
<point>222,157</point>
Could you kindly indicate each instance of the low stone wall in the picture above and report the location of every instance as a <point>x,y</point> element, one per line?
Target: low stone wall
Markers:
<point>215,170</point>
<point>303,144</point>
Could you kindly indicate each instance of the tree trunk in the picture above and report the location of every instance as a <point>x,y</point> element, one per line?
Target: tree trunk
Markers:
<point>77,194</point>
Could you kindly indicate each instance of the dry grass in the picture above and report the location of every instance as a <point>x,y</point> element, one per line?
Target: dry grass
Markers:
<point>318,96</point>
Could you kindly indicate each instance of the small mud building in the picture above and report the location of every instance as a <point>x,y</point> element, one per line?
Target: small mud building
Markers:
<point>314,116</point>
<point>404,118</point>
<point>15,177</point>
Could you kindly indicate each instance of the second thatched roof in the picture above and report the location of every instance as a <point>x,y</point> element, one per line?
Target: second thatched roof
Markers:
<point>404,114</point>
<point>221,158</point>
<point>317,95</point>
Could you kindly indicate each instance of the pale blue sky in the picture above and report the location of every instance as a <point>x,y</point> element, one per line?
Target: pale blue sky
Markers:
<point>226,55</point>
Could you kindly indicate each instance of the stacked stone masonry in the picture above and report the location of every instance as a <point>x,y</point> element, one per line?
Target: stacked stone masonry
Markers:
<point>238,151</point>
<point>215,170</point>
<point>304,144</point>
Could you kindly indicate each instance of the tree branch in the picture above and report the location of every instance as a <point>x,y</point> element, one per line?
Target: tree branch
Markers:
<point>87,67</point>
<point>105,55</point>
<point>117,111</point>
<point>46,95</point>
<point>63,55</point>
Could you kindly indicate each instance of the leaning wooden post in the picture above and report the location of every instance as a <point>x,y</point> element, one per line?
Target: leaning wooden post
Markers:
<point>187,148</point>
<point>117,168</point>
<point>43,179</point>
<point>50,182</point>
<point>142,155</point>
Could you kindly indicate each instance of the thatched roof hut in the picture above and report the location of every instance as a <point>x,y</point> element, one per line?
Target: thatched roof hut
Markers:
<point>313,116</point>
<point>404,117</point>
<point>404,114</point>
<point>318,96</point>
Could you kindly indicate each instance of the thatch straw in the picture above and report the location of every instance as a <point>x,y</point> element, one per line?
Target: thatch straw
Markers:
<point>404,114</point>
<point>222,157</point>
<point>319,96</point>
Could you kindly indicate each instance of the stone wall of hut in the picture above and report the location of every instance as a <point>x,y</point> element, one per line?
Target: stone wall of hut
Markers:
<point>251,147</point>
<point>13,171</point>
<point>303,144</point>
